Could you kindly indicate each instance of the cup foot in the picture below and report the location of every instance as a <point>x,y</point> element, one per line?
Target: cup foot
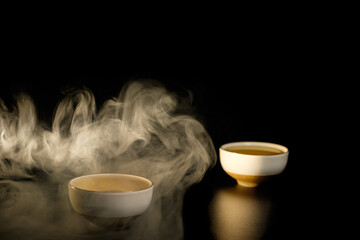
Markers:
<point>247,184</point>
<point>249,181</point>
<point>114,224</point>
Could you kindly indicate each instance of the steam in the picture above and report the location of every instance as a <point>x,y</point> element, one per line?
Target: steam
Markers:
<point>144,131</point>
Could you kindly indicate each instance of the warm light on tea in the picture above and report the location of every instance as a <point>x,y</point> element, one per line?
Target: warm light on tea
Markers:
<point>255,150</point>
<point>111,183</point>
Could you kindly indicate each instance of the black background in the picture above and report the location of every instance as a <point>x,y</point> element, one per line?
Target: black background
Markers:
<point>265,83</point>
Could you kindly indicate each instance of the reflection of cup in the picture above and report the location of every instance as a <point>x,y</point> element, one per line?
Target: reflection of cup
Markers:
<point>110,200</point>
<point>252,163</point>
<point>239,213</point>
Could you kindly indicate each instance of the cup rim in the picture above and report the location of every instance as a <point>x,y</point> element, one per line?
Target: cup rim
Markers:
<point>70,184</point>
<point>284,149</point>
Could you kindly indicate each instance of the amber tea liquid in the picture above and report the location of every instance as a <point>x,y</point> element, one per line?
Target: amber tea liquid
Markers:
<point>255,150</point>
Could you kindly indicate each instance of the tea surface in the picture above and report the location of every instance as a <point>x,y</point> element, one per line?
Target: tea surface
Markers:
<point>255,150</point>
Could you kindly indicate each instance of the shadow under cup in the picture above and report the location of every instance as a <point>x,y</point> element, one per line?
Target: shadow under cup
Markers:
<point>110,201</point>
<point>252,163</point>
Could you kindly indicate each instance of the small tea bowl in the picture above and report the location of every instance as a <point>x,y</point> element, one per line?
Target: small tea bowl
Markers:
<point>252,163</point>
<point>110,199</point>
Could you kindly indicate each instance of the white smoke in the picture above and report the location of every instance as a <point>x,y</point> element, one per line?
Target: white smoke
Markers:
<point>144,131</point>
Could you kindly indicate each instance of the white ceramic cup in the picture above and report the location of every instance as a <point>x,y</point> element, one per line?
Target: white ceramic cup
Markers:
<point>252,168</point>
<point>110,195</point>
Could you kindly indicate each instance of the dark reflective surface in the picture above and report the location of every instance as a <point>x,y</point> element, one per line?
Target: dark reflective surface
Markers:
<point>218,208</point>
<point>239,213</point>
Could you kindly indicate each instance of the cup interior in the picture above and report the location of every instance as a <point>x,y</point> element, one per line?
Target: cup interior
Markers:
<point>255,148</point>
<point>111,183</point>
